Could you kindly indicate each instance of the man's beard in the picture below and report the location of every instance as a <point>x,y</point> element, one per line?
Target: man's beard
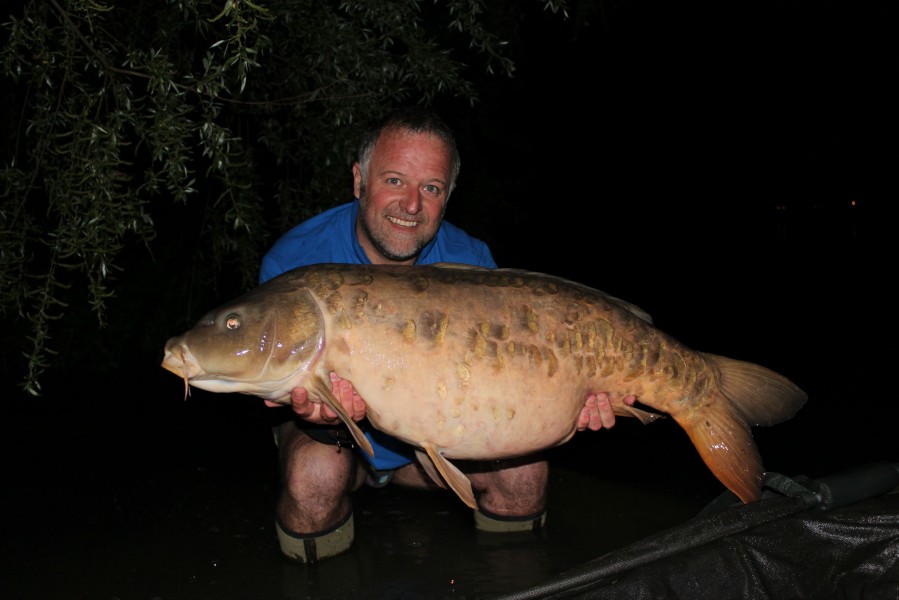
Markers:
<point>379,244</point>
<point>386,252</point>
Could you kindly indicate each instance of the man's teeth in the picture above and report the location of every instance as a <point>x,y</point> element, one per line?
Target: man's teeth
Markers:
<point>402,223</point>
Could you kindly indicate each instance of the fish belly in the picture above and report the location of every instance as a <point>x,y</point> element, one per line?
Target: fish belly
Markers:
<point>479,371</point>
<point>467,412</point>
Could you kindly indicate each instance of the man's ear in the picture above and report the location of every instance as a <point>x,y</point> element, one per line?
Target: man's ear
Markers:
<point>357,180</point>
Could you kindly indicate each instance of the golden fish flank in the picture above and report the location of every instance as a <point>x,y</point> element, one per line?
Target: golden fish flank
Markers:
<point>431,326</point>
<point>343,319</point>
<point>359,305</point>
<point>479,341</point>
<point>508,355</point>
<point>463,375</point>
<point>409,331</point>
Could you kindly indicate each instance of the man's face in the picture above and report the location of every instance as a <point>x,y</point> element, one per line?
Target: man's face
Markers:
<point>403,201</point>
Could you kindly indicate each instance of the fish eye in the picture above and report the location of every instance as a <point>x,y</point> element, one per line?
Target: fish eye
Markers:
<point>232,321</point>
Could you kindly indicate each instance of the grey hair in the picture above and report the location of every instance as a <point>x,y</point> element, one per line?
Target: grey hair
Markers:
<point>414,119</point>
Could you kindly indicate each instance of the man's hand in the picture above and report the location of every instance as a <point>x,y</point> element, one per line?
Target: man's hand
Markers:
<point>597,412</point>
<point>320,413</point>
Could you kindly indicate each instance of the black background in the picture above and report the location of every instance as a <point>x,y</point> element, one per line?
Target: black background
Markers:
<point>726,166</point>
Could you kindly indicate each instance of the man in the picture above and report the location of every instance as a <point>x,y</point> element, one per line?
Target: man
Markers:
<point>406,170</point>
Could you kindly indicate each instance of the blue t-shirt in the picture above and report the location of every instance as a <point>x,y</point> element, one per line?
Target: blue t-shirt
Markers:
<point>330,237</point>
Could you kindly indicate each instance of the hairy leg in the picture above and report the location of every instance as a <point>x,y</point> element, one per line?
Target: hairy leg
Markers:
<point>316,481</point>
<point>514,487</point>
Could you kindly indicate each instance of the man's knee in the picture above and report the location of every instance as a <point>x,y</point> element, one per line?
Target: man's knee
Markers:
<point>316,480</point>
<point>514,490</point>
<point>308,463</point>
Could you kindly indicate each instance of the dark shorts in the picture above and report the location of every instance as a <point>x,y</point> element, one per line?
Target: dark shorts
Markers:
<point>340,437</point>
<point>326,434</point>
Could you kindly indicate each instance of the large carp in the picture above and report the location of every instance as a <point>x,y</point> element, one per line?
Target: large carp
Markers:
<point>472,363</point>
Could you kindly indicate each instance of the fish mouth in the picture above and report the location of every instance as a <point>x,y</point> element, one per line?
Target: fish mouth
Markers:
<point>181,362</point>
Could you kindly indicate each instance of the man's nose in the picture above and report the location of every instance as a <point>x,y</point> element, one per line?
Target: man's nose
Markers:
<point>411,202</point>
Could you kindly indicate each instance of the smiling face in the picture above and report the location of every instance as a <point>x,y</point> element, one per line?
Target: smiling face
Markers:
<point>402,196</point>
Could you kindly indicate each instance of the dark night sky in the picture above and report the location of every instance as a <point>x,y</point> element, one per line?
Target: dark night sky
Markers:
<point>703,126</point>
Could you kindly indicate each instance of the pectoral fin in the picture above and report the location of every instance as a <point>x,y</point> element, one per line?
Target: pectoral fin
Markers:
<point>644,416</point>
<point>323,390</point>
<point>428,465</point>
<point>455,478</point>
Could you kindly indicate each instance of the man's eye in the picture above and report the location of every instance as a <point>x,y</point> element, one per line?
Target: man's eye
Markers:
<point>393,181</point>
<point>432,189</point>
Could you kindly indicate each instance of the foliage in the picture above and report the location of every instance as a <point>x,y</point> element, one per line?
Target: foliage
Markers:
<point>172,140</point>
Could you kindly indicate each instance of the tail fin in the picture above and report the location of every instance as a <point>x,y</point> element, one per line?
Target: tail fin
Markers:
<point>747,394</point>
<point>760,395</point>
